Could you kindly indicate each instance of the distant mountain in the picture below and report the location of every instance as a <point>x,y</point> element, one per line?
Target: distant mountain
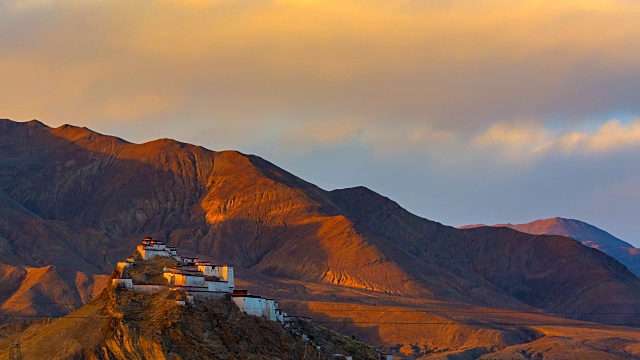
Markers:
<point>47,291</point>
<point>81,201</point>
<point>587,234</point>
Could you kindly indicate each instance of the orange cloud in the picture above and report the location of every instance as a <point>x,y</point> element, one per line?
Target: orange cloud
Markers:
<point>402,68</point>
<point>610,136</point>
<point>513,138</point>
<point>530,140</point>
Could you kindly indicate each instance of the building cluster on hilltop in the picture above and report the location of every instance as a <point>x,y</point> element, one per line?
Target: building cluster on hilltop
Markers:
<point>197,279</point>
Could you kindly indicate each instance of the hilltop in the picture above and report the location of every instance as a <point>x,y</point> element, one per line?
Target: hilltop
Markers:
<point>142,315</point>
<point>124,325</point>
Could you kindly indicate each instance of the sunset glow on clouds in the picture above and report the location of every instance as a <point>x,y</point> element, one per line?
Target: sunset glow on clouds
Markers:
<point>531,139</point>
<point>489,86</point>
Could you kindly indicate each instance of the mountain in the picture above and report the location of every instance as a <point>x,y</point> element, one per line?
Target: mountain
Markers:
<point>81,201</point>
<point>587,234</point>
<point>47,291</point>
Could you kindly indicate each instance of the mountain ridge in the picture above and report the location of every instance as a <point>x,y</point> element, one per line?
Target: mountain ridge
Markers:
<point>584,233</point>
<point>91,198</point>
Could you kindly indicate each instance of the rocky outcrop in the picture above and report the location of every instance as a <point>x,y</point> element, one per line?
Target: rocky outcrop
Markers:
<point>123,325</point>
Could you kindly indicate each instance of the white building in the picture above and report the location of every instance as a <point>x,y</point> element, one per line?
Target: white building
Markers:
<point>270,310</point>
<point>177,276</point>
<point>149,288</point>
<point>198,279</point>
<point>187,260</point>
<point>250,304</point>
<point>219,286</point>
<point>195,283</point>
<point>150,248</point>
<point>258,306</point>
<point>222,272</point>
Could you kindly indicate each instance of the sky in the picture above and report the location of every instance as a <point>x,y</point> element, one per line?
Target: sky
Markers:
<point>463,112</point>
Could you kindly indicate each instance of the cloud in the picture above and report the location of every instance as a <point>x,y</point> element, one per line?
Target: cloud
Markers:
<point>612,136</point>
<point>396,92</point>
<point>452,65</point>
<point>513,140</point>
<point>434,78</point>
<point>531,140</point>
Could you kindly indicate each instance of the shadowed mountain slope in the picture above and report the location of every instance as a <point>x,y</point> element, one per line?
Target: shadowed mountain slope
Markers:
<point>101,194</point>
<point>585,233</point>
<point>47,291</point>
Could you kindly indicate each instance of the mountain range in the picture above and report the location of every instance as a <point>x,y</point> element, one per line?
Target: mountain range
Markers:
<point>587,234</point>
<point>73,201</point>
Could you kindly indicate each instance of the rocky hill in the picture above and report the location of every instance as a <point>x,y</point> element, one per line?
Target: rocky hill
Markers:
<point>122,325</point>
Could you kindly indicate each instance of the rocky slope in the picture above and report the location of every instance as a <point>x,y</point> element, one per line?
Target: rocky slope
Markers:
<point>47,291</point>
<point>122,325</point>
<point>588,235</point>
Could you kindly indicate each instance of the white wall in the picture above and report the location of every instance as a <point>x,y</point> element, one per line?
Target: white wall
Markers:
<point>150,254</point>
<point>207,270</point>
<point>250,305</point>
<point>270,310</point>
<point>184,280</point>
<point>194,280</point>
<point>225,273</point>
<point>229,278</point>
<point>222,286</point>
<point>148,288</point>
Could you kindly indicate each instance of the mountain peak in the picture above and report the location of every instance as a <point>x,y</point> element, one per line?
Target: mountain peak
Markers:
<point>30,123</point>
<point>585,233</point>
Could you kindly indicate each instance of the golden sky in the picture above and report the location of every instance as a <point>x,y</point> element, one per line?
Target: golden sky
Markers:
<point>502,87</point>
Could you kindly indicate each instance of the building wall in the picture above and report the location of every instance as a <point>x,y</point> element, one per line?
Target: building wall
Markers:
<point>230,278</point>
<point>205,294</point>
<point>207,270</point>
<point>150,254</point>
<point>123,283</point>
<point>188,260</point>
<point>149,288</point>
<point>194,280</point>
<point>225,273</point>
<point>221,286</point>
<point>239,301</point>
<point>270,310</point>
<point>184,280</point>
<point>250,305</point>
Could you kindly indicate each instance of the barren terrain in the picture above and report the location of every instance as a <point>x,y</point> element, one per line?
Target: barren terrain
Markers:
<point>74,202</point>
